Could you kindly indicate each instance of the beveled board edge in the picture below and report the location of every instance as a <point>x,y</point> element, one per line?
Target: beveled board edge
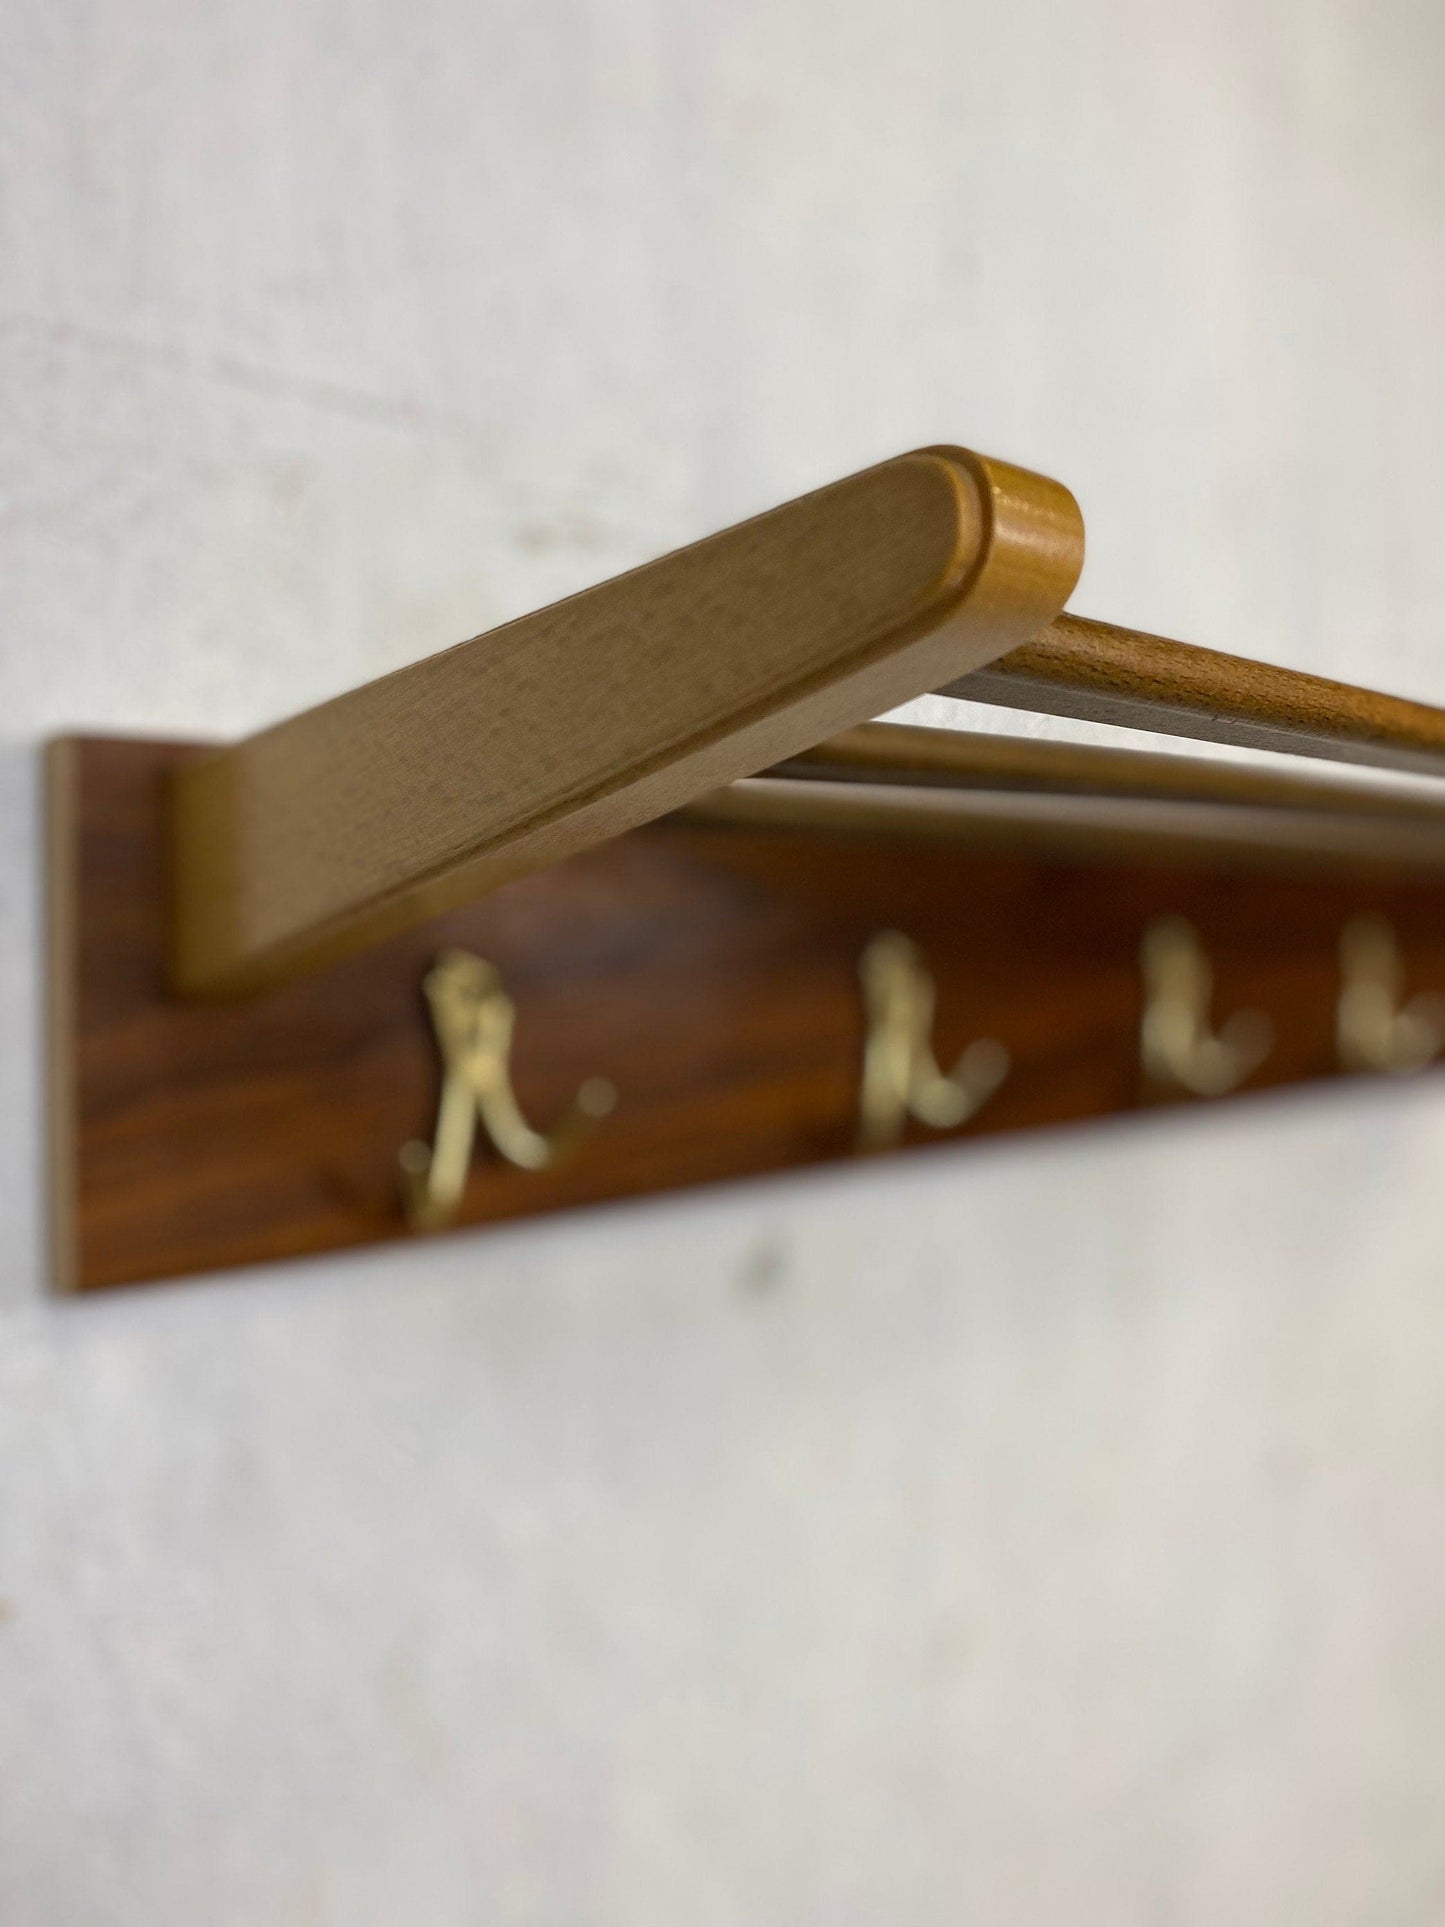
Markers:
<point>61,766</point>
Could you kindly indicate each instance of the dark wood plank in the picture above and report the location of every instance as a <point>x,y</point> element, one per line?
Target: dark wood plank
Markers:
<point>708,969</point>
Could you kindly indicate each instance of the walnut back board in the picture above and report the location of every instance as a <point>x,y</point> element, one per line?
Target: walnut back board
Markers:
<point>709,969</point>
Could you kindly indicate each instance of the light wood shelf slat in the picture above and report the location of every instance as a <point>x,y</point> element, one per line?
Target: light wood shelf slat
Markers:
<point>1097,672</point>
<point>958,759</point>
<point>414,793</point>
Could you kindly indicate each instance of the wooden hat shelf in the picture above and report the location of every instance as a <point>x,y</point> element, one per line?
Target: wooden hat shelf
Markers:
<point>630,895</point>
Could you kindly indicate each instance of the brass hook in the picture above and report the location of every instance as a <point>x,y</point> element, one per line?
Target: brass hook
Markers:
<point>1373,1031</point>
<point>474,1019</point>
<point>1178,1047</point>
<point>901,1076</point>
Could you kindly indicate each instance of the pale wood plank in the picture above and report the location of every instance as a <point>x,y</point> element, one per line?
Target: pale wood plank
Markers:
<point>413,793</point>
<point>1079,825</point>
<point>1100,673</point>
<point>951,759</point>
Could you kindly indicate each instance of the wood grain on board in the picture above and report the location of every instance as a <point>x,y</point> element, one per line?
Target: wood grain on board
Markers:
<point>708,968</point>
<point>1100,673</point>
<point>571,725</point>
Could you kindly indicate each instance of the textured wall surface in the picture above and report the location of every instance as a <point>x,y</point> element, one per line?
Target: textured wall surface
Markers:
<point>1050,1532</point>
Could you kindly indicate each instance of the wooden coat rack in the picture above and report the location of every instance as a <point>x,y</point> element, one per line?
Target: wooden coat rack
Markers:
<point>630,894</point>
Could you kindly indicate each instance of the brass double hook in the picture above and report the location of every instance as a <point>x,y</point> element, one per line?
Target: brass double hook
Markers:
<point>901,1075</point>
<point>1179,1047</point>
<point>1373,1030</point>
<point>474,1020</point>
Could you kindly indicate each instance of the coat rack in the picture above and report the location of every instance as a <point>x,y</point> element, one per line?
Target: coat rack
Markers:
<point>630,895</point>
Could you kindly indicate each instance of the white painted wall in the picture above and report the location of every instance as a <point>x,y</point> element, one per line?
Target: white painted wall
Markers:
<point>1059,1535</point>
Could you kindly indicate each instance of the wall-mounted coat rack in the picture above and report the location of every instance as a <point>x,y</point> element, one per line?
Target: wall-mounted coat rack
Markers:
<point>630,894</point>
